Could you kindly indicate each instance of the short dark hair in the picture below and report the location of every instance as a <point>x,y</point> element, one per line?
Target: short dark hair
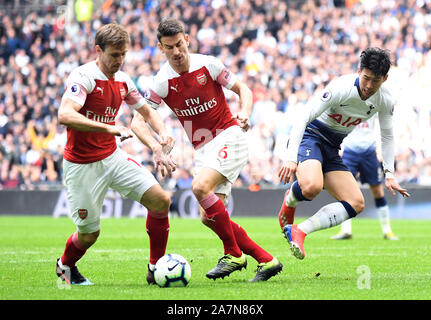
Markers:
<point>375,59</point>
<point>169,27</point>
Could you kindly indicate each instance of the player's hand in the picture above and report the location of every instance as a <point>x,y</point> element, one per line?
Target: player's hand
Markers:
<point>286,172</point>
<point>163,162</point>
<point>167,143</point>
<point>393,186</point>
<point>120,131</point>
<point>243,121</point>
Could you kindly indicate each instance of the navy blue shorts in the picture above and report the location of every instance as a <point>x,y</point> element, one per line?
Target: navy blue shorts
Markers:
<point>315,147</point>
<point>366,163</point>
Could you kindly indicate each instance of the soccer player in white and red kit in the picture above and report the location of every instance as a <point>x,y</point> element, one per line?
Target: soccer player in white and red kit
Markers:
<point>93,162</point>
<point>192,86</point>
<point>314,144</point>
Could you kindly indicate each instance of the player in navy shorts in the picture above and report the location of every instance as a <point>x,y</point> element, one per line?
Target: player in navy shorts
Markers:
<point>315,141</point>
<point>315,146</point>
<point>360,157</point>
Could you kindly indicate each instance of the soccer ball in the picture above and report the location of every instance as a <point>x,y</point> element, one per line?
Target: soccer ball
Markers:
<point>172,270</point>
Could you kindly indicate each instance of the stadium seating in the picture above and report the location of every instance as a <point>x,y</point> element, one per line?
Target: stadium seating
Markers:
<point>284,50</point>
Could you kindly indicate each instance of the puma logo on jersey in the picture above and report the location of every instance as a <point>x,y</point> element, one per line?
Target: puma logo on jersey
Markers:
<point>100,89</point>
<point>175,88</point>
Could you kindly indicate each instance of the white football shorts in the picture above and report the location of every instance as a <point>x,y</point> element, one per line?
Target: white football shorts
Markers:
<point>227,153</point>
<point>87,185</point>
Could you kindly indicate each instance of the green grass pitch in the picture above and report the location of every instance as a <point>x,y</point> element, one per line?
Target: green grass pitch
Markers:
<point>366,267</point>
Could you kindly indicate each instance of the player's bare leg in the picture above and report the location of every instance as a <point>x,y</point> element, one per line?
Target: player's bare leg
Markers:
<point>310,184</point>
<point>157,201</point>
<point>344,188</point>
<point>88,239</point>
<point>310,178</point>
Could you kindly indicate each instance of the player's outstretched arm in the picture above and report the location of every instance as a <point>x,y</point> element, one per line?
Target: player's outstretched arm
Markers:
<point>162,159</point>
<point>153,118</point>
<point>393,186</point>
<point>246,103</point>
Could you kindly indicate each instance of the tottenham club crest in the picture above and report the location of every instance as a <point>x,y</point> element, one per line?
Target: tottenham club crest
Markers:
<point>202,79</point>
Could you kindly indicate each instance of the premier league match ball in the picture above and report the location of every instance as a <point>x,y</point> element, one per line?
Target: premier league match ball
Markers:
<point>172,270</point>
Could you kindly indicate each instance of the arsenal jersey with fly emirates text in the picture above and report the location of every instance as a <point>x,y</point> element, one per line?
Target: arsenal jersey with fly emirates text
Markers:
<point>196,97</point>
<point>100,98</point>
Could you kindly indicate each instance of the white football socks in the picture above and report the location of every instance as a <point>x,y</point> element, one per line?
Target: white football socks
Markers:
<point>384,217</point>
<point>328,216</point>
<point>383,213</point>
<point>290,199</point>
<point>346,226</point>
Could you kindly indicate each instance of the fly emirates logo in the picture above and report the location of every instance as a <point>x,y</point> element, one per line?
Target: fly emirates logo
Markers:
<point>108,117</point>
<point>195,107</point>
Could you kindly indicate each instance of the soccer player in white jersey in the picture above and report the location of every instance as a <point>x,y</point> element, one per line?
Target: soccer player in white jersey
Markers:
<point>359,155</point>
<point>192,86</point>
<point>314,144</point>
<point>93,162</point>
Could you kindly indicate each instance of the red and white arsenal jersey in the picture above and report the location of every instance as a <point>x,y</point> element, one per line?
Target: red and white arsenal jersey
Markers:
<point>196,97</point>
<point>100,99</point>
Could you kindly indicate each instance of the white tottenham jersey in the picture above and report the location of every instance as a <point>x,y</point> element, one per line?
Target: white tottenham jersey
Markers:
<point>362,138</point>
<point>338,109</point>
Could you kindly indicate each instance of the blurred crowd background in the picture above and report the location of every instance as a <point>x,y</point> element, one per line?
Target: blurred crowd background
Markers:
<point>284,51</point>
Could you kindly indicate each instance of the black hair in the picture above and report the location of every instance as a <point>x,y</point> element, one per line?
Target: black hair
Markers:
<point>169,27</point>
<point>375,59</point>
